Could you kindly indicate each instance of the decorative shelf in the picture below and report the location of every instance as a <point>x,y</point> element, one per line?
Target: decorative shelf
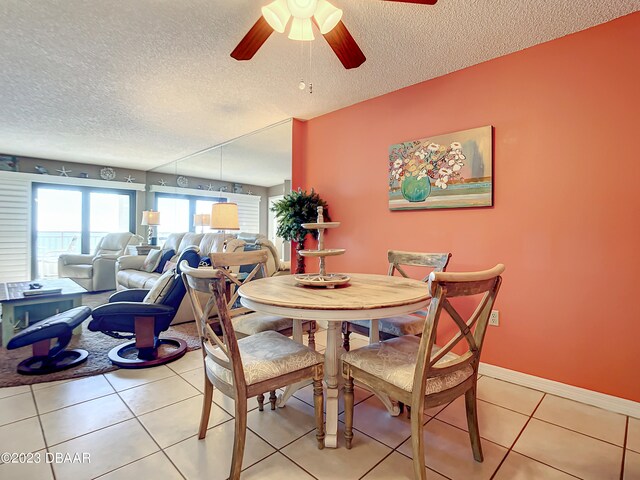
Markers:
<point>322,279</point>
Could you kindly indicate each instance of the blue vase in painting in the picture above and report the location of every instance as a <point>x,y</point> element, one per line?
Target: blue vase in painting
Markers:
<point>414,189</point>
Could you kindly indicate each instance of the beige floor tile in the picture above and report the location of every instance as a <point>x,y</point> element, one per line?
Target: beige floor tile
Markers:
<point>398,467</point>
<point>23,436</point>
<point>40,470</point>
<point>569,451</point>
<point>282,425</point>
<point>508,395</point>
<point>40,386</point>
<point>10,391</point>
<point>631,466</point>
<point>306,395</point>
<point>356,342</point>
<point>228,404</point>
<point>181,420</point>
<point>158,394</point>
<point>109,449</point>
<point>592,421</point>
<point>633,435</point>
<point>210,458</point>
<point>195,378</point>
<point>519,467</point>
<point>336,463</point>
<point>156,466</point>
<point>190,361</point>
<point>17,407</point>
<point>372,418</point>
<point>127,378</point>
<point>70,422</point>
<point>497,424</point>
<point>448,451</point>
<point>275,467</point>
<point>69,393</point>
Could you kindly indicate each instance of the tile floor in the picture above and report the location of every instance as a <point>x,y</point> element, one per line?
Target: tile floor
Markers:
<point>142,424</point>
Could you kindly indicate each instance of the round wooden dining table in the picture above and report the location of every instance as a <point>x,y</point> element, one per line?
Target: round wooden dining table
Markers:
<point>365,297</point>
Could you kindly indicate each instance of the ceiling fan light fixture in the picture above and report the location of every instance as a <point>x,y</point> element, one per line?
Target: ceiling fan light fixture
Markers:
<point>302,8</point>
<point>327,16</point>
<point>301,29</point>
<point>277,15</point>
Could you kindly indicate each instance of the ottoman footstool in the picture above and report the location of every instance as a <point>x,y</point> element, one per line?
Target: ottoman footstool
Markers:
<point>48,359</point>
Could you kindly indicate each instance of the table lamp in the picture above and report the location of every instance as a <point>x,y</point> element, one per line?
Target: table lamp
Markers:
<point>224,216</point>
<point>151,219</point>
<point>201,220</point>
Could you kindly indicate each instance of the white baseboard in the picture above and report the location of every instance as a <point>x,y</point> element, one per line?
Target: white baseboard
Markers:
<point>602,400</point>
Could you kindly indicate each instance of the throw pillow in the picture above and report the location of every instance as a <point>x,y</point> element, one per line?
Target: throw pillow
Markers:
<point>169,266</point>
<point>205,262</point>
<point>166,256</point>
<point>249,268</point>
<point>161,288</point>
<point>151,262</point>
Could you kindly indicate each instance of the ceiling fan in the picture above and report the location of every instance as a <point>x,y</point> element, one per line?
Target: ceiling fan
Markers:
<point>303,15</point>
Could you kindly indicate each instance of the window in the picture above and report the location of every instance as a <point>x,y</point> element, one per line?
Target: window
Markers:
<point>73,220</point>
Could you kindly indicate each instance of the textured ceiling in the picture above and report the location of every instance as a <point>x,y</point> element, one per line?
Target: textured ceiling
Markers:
<point>139,83</point>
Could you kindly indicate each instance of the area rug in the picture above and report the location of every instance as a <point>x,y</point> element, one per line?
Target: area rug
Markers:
<point>96,343</point>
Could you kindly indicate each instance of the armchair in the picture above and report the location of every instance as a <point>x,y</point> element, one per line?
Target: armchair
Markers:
<point>142,315</point>
<point>96,272</point>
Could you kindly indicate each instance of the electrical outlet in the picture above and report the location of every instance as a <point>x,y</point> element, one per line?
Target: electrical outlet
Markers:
<point>494,319</point>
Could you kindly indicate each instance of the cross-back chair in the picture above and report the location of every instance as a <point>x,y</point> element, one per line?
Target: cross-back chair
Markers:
<point>246,367</point>
<point>422,374</point>
<point>411,324</point>
<point>245,321</point>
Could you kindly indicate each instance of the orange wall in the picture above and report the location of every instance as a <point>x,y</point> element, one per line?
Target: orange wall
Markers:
<point>566,220</point>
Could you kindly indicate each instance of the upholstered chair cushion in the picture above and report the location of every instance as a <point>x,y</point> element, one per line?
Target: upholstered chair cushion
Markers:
<point>264,356</point>
<point>160,288</point>
<point>397,326</point>
<point>253,323</point>
<point>394,361</point>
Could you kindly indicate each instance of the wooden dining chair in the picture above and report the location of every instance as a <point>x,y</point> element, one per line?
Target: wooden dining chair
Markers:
<point>245,321</point>
<point>411,324</point>
<point>246,367</point>
<point>422,374</point>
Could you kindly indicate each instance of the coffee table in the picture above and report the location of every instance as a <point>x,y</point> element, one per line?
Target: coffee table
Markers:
<point>19,311</point>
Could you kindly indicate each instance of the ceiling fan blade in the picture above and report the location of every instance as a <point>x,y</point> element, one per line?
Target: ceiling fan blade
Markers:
<point>345,47</point>
<point>253,40</point>
<point>420,2</point>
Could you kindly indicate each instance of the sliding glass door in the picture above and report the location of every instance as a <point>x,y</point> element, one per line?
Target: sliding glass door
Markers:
<point>177,211</point>
<point>73,220</point>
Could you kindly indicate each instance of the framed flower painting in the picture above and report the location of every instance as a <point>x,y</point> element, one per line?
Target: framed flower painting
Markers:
<point>453,170</point>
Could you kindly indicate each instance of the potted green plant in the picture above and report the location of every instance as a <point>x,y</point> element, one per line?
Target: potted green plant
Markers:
<point>296,208</point>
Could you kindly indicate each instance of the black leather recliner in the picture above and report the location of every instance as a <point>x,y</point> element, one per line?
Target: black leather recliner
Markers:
<point>142,323</point>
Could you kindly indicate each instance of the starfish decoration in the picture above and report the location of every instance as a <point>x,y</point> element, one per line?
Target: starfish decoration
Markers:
<point>129,179</point>
<point>249,192</point>
<point>210,187</point>
<point>162,182</point>
<point>63,172</point>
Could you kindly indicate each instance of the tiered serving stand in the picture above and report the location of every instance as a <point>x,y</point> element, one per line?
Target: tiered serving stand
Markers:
<point>322,279</point>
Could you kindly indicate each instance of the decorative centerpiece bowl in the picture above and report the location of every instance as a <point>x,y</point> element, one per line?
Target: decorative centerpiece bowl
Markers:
<point>322,279</point>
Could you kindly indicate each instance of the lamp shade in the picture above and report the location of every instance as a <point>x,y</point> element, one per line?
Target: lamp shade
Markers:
<point>277,15</point>
<point>327,16</point>
<point>201,220</point>
<point>224,216</point>
<point>301,29</point>
<point>150,217</point>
